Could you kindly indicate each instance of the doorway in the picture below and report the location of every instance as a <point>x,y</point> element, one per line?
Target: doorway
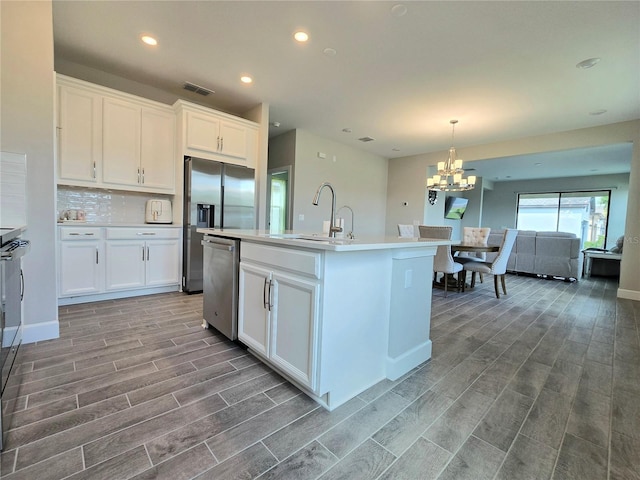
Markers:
<point>279,199</point>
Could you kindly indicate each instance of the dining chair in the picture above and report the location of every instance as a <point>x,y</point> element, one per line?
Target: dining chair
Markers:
<point>498,267</point>
<point>443,261</point>
<point>406,231</point>
<point>474,235</point>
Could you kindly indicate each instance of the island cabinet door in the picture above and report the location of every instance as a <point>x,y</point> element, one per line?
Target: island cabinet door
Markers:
<point>294,325</point>
<point>254,307</point>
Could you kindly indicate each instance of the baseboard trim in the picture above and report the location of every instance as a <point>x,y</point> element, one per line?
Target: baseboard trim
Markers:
<point>115,295</point>
<point>398,366</point>
<point>628,294</point>
<point>39,332</point>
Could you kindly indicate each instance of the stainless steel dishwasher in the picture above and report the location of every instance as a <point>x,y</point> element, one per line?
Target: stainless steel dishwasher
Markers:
<point>221,260</point>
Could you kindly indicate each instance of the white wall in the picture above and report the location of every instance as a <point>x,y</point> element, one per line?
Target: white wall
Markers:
<point>407,178</point>
<point>358,178</point>
<point>27,115</point>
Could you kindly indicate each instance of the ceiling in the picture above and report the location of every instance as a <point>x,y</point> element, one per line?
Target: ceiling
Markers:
<point>505,70</point>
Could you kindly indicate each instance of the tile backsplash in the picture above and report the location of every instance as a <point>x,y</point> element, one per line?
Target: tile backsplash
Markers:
<point>105,206</point>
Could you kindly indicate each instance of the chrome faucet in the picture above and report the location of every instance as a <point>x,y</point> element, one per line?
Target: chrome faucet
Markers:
<point>350,234</point>
<point>333,228</point>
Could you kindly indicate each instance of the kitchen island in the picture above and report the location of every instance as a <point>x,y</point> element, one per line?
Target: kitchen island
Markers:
<point>334,316</point>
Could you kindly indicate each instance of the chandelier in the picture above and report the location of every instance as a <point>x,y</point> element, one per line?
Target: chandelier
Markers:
<point>449,177</point>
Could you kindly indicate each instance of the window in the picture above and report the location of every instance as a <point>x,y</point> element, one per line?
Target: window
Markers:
<point>582,213</point>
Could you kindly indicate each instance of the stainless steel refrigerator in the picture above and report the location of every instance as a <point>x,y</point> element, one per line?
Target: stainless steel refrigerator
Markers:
<point>216,195</point>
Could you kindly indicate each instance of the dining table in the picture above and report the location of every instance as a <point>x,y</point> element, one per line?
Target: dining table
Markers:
<point>473,247</point>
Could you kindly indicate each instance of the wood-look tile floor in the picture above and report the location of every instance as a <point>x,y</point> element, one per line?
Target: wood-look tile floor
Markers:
<point>542,383</point>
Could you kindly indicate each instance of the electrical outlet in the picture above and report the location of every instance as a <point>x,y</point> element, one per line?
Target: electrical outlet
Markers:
<point>408,278</point>
<point>301,217</point>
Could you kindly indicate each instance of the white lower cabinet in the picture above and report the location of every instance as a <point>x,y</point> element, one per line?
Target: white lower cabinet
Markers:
<point>81,262</point>
<point>278,317</point>
<point>97,260</point>
<point>133,262</point>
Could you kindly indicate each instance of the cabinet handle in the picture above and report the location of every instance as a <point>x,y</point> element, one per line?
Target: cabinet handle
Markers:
<point>143,176</point>
<point>147,254</point>
<point>73,233</point>
<point>88,234</point>
<point>138,175</point>
<point>264,294</point>
<point>94,169</point>
<point>218,142</point>
<point>221,143</point>
<point>97,256</point>
<point>143,253</point>
<point>270,294</point>
<point>146,233</point>
<point>21,285</point>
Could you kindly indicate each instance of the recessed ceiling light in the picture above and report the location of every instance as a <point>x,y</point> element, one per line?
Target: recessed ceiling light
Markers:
<point>398,10</point>
<point>588,63</point>
<point>395,149</point>
<point>149,40</point>
<point>346,130</point>
<point>329,52</point>
<point>246,79</point>
<point>301,36</point>
<point>538,164</point>
<point>275,124</point>
<point>598,112</point>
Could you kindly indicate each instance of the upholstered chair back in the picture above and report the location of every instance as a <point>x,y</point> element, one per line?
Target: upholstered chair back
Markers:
<point>477,236</point>
<point>406,231</point>
<point>443,261</point>
<point>499,265</point>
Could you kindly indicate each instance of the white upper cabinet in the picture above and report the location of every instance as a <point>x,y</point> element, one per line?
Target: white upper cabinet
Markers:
<point>121,142</point>
<point>111,139</point>
<point>213,135</point>
<point>138,146</point>
<point>157,149</point>
<point>79,135</point>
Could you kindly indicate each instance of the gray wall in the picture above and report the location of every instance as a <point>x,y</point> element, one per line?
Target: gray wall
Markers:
<point>27,114</point>
<point>500,204</point>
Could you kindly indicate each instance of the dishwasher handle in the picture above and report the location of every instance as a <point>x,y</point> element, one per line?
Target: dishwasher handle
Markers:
<point>219,246</point>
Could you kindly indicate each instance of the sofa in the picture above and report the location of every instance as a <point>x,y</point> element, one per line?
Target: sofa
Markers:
<point>552,254</point>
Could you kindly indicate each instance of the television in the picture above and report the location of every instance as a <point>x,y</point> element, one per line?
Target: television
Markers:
<point>454,207</point>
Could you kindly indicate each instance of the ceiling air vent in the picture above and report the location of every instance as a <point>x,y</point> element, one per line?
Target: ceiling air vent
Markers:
<point>192,87</point>
<point>366,139</point>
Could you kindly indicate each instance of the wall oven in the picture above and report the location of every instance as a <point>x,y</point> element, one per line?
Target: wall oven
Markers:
<point>11,294</point>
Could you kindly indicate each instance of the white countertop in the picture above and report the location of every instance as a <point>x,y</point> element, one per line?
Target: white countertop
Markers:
<point>318,242</point>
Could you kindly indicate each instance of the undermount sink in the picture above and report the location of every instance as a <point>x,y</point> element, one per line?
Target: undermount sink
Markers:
<point>313,238</point>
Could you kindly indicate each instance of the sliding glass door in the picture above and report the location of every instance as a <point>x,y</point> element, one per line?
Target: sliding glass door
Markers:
<point>582,213</point>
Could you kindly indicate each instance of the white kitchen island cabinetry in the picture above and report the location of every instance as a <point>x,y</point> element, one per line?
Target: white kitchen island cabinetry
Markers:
<point>101,263</point>
<point>214,135</point>
<point>278,309</point>
<point>335,317</point>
